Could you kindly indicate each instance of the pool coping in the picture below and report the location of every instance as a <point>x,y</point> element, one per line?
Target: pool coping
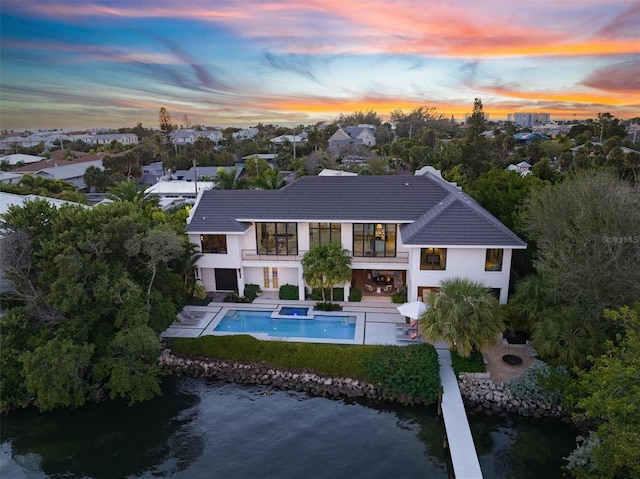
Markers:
<point>376,323</point>
<point>358,338</point>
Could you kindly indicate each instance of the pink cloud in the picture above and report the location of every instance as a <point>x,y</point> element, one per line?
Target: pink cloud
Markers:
<point>621,78</point>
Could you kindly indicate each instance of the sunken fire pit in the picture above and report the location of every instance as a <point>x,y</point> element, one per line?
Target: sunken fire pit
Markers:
<point>512,359</point>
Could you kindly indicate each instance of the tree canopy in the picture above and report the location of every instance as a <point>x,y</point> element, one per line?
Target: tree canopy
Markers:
<point>610,398</point>
<point>587,230</point>
<point>89,305</point>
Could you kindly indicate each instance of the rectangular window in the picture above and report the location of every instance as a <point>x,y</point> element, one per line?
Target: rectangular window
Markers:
<point>374,239</point>
<point>324,233</point>
<point>493,261</point>
<point>433,258</point>
<point>277,238</point>
<point>214,243</point>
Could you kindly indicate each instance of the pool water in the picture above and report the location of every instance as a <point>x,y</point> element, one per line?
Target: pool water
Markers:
<point>321,327</point>
<point>292,311</point>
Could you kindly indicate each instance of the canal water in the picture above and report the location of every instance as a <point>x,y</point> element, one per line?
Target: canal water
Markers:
<point>208,429</point>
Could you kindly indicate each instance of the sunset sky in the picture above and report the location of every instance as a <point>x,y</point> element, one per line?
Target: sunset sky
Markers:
<point>85,63</point>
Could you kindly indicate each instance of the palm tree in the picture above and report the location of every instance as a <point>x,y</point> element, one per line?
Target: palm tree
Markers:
<point>326,265</point>
<point>228,180</point>
<point>464,314</point>
<point>533,296</point>
<point>269,180</point>
<point>565,337</point>
<point>130,191</point>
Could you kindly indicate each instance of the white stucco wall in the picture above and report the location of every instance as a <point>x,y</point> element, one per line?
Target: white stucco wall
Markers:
<point>463,263</point>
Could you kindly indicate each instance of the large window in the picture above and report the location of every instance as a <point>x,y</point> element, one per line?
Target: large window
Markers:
<point>324,233</point>
<point>277,238</point>
<point>493,260</point>
<point>374,239</point>
<point>214,243</point>
<point>433,258</point>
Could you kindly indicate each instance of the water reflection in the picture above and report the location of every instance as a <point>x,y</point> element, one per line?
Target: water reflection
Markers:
<point>519,448</point>
<point>106,440</point>
<point>203,429</point>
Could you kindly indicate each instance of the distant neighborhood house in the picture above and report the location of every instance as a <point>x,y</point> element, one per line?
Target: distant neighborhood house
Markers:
<point>352,135</point>
<point>123,138</point>
<point>189,137</point>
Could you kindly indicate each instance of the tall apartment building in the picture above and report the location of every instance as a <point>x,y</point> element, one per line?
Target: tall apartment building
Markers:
<point>527,119</point>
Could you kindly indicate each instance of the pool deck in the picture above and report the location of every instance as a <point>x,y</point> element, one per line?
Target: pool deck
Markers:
<point>380,322</point>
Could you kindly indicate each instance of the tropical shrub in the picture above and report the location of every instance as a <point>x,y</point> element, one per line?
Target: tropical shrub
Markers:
<point>251,291</point>
<point>541,382</point>
<point>355,295</point>
<point>399,298</point>
<point>162,314</point>
<point>288,291</point>
<point>464,314</point>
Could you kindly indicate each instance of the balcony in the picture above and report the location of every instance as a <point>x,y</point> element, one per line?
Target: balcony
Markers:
<point>253,255</point>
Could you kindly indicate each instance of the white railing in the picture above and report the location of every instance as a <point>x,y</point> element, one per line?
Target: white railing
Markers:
<point>253,255</point>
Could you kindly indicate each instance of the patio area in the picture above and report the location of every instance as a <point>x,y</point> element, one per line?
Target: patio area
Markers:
<point>382,321</point>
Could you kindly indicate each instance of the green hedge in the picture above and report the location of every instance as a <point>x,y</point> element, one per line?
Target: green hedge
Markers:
<point>329,359</point>
<point>472,364</point>
<point>355,295</point>
<point>327,306</point>
<point>251,291</point>
<point>399,298</point>
<point>412,369</point>
<point>288,291</point>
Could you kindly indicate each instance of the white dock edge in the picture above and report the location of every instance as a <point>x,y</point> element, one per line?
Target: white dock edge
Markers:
<point>461,447</point>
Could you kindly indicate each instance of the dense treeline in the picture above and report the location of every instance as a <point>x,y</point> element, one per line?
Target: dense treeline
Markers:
<point>94,287</point>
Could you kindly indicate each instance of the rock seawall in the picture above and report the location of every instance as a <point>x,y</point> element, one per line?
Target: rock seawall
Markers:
<point>480,393</point>
<point>252,373</point>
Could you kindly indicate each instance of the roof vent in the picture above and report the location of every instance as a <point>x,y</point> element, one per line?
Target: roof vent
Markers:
<point>204,217</point>
<point>406,184</point>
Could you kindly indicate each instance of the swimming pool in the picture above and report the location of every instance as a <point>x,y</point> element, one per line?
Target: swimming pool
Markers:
<point>329,326</point>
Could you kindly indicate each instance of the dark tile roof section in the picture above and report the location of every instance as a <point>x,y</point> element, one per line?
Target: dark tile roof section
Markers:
<point>432,210</point>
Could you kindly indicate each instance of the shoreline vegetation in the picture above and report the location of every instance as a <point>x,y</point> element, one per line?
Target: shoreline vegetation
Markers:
<point>378,373</point>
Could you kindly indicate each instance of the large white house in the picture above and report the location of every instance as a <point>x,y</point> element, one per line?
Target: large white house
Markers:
<point>401,232</point>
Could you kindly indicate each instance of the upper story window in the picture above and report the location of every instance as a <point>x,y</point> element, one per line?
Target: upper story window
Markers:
<point>374,239</point>
<point>433,258</point>
<point>493,261</point>
<point>277,238</point>
<point>324,233</point>
<point>214,243</point>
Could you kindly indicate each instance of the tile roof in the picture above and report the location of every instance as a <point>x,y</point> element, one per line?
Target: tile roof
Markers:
<point>431,210</point>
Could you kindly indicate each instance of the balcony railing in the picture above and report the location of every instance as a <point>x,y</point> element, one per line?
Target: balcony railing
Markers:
<point>253,255</point>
